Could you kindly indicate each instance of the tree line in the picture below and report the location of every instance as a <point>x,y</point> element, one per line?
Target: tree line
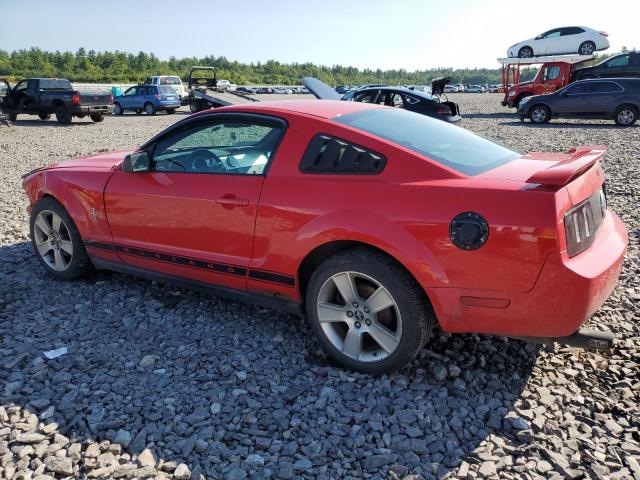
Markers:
<point>122,67</point>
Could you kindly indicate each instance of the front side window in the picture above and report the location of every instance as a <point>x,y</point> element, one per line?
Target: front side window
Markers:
<point>552,34</point>
<point>452,146</point>
<point>366,97</point>
<point>231,147</point>
<point>621,61</point>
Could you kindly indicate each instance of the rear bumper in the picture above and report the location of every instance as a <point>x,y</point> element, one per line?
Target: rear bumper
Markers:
<point>89,109</point>
<point>165,105</point>
<point>567,292</point>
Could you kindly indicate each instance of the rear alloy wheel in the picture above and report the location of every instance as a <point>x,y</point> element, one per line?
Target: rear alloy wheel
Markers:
<point>44,116</point>
<point>587,48</point>
<point>525,52</point>
<point>117,109</point>
<point>539,114</point>
<point>62,115</point>
<point>625,116</point>
<point>56,241</point>
<point>367,312</point>
<point>149,109</point>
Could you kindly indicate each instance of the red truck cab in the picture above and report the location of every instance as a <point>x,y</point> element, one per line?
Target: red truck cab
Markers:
<point>556,72</point>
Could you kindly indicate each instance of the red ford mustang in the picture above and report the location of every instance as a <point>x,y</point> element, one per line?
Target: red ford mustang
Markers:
<point>378,223</point>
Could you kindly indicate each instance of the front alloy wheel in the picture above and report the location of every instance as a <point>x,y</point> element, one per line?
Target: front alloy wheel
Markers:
<point>359,316</point>
<point>539,114</point>
<point>53,240</point>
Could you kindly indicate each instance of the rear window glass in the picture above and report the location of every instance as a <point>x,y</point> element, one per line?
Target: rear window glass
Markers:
<point>442,142</point>
<point>55,84</point>
<point>167,90</point>
<point>169,81</point>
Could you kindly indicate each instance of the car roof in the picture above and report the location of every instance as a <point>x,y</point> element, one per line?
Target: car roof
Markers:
<point>319,108</point>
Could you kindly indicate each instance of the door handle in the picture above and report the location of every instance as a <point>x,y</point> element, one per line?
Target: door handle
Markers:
<point>231,201</point>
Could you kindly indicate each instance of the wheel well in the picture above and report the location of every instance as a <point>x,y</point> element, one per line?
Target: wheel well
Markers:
<point>314,258</point>
<point>630,105</point>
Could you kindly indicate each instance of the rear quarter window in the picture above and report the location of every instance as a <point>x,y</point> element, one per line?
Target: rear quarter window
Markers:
<point>331,155</point>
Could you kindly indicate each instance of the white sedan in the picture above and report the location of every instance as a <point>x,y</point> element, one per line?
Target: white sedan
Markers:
<point>581,40</point>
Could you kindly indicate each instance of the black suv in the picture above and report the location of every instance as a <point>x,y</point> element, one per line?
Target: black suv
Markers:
<point>615,98</point>
<point>623,65</point>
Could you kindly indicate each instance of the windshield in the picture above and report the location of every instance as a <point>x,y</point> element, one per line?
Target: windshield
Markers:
<point>55,84</point>
<point>442,142</point>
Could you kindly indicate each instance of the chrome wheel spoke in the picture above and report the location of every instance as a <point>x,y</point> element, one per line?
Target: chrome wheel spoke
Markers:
<point>379,300</point>
<point>43,225</point>
<point>44,247</point>
<point>67,246</point>
<point>59,261</point>
<point>55,223</point>
<point>346,286</point>
<point>383,337</point>
<point>328,312</point>
<point>352,345</point>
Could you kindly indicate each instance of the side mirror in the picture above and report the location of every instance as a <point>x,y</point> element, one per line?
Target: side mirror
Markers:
<point>137,162</point>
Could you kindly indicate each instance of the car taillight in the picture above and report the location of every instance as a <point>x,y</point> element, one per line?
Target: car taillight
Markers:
<point>581,223</point>
<point>604,34</point>
<point>75,99</point>
<point>443,111</point>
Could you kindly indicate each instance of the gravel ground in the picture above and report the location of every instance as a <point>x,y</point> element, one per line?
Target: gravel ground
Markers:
<point>160,382</point>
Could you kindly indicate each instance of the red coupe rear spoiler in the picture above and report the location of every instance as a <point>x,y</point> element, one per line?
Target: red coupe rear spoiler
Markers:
<point>580,160</point>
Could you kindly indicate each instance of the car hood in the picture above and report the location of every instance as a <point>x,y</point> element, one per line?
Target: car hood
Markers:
<point>438,84</point>
<point>98,161</point>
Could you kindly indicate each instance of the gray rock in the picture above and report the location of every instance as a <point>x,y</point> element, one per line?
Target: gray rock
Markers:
<point>63,466</point>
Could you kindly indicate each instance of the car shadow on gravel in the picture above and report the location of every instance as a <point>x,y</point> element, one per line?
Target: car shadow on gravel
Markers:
<point>489,115</point>
<point>77,122</point>
<point>227,388</point>
<point>563,125</point>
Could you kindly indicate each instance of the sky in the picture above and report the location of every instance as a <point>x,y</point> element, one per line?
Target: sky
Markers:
<point>408,34</point>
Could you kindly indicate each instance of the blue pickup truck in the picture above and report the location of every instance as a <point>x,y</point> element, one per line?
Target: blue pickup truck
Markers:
<point>148,99</point>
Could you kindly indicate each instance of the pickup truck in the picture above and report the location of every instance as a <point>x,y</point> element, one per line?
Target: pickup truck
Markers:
<point>46,96</point>
<point>555,73</point>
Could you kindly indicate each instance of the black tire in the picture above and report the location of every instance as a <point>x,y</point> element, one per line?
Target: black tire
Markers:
<point>79,264</point>
<point>519,99</point>
<point>195,107</point>
<point>625,115</point>
<point>149,109</point>
<point>539,114</point>
<point>62,115</point>
<point>416,317</point>
<point>44,116</point>
<point>171,111</point>
<point>525,52</point>
<point>97,117</point>
<point>138,112</point>
<point>117,109</point>
<point>586,48</point>
<point>13,116</point>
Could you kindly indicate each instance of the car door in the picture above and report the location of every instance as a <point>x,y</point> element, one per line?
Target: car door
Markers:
<point>616,67</point>
<point>573,101</point>
<point>192,212</point>
<point>602,99</point>
<point>570,40</point>
<point>548,42</point>
<point>127,99</point>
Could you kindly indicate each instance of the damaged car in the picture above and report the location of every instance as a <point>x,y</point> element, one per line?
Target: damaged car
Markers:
<point>434,105</point>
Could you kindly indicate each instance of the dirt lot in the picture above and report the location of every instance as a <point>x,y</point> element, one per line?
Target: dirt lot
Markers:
<point>164,383</point>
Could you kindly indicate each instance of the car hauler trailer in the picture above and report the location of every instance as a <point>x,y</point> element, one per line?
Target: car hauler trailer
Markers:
<point>556,72</point>
<point>204,92</point>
